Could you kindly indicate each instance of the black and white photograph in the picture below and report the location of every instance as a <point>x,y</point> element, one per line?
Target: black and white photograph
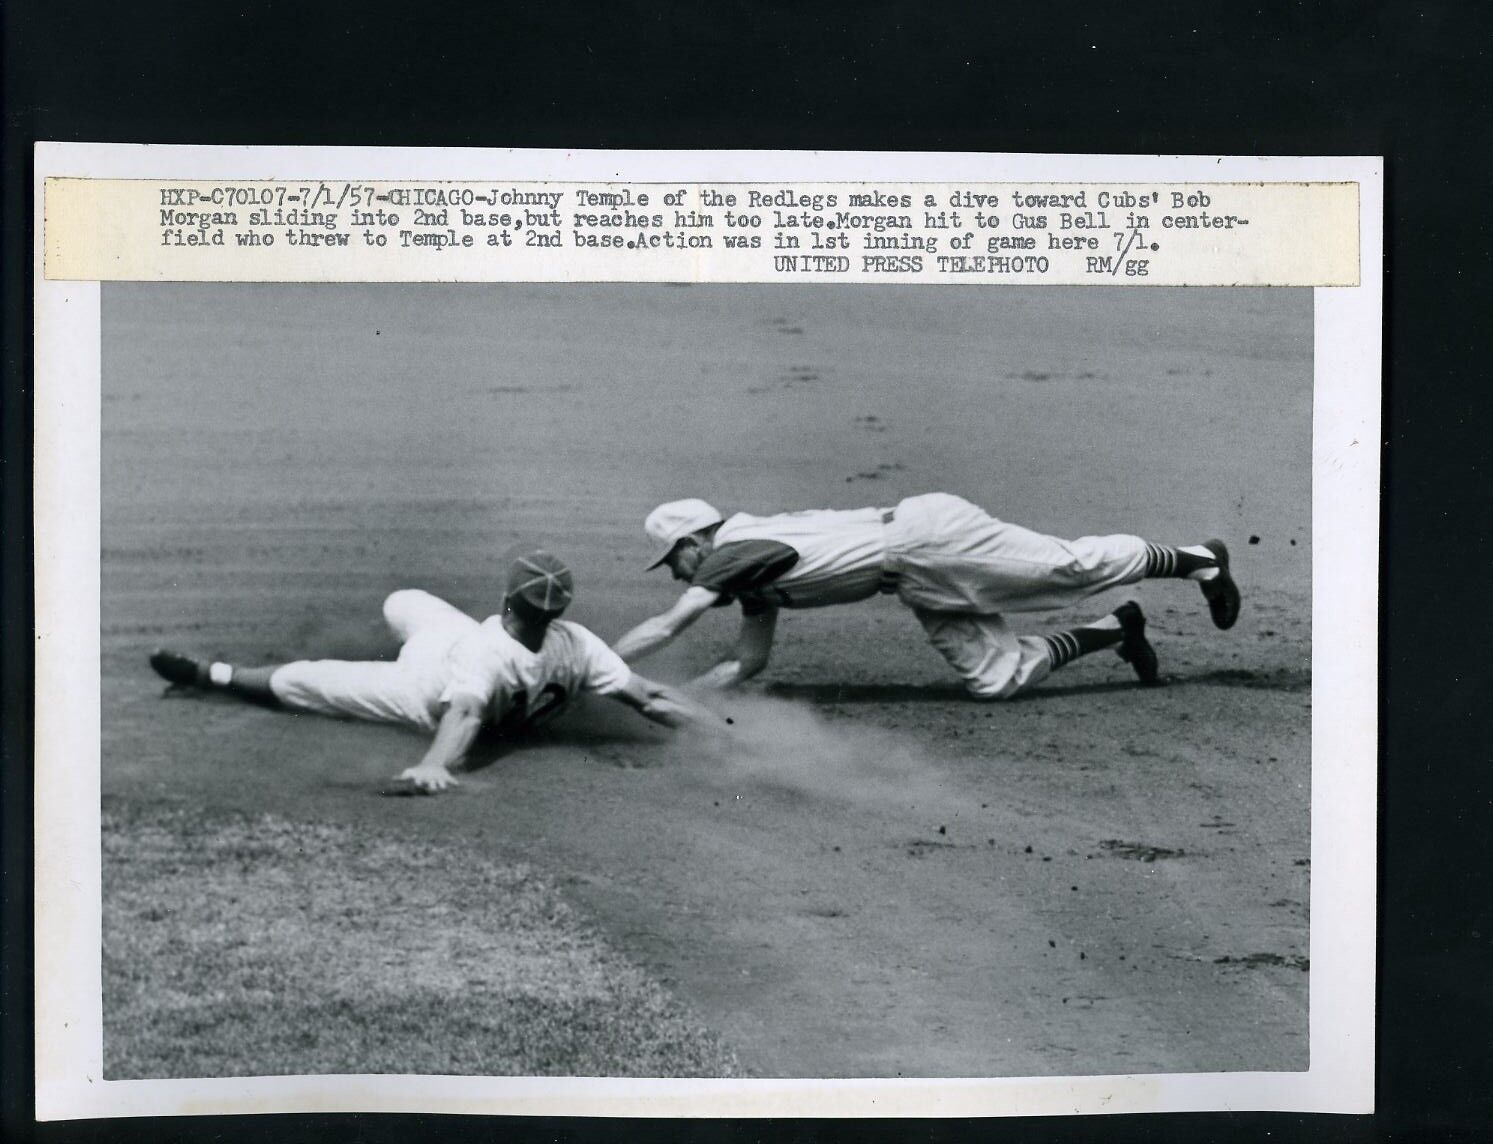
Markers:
<point>1009,788</point>
<point>724,681</point>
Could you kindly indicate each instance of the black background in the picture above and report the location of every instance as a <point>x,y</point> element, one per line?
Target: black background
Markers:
<point>1405,81</point>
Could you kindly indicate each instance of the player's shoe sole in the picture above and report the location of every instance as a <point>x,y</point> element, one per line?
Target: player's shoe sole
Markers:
<point>1221,592</point>
<point>177,669</point>
<point>1134,648</point>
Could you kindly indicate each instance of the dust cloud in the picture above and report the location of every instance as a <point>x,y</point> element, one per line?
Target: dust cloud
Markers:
<point>779,743</point>
<point>770,744</point>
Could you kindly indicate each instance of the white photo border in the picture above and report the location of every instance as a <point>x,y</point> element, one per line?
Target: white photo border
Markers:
<point>1344,771</point>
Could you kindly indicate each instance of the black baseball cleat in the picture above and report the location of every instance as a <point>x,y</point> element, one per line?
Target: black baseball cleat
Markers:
<point>1134,648</point>
<point>177,669</point>
<point>1221,592</point>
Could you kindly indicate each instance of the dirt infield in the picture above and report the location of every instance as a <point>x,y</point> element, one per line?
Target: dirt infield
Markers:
<point>891,879</point>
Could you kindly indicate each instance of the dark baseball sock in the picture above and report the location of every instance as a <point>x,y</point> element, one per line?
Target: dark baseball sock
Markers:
<point>1191,563</point>
<point>251,683</point>
<point>1064,647</point>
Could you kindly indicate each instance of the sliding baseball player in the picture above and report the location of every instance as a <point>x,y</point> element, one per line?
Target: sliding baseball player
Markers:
<point>513,671</point>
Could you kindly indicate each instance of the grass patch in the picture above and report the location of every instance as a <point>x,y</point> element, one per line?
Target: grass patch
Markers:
<point>240,945</point>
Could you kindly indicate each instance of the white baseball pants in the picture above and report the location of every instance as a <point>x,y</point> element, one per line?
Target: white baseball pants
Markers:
<point>406,691</point>
<point>959,569</point>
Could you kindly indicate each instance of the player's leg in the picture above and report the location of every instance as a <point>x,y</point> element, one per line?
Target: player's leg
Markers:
<point>1124,629</point>
<point>411,611</point>
<point>991,659</point>
<point>1106,561</point>
<point>997,664</point>
<point>1208,564</point>
<point>423,623</point>
<point>250,683</point>
<point>406,692</point>
<point>950,555</point>
<point>372,691</point>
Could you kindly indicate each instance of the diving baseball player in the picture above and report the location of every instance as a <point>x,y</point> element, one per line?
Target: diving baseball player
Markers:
<point>959,569</point>
<point>512,671</point>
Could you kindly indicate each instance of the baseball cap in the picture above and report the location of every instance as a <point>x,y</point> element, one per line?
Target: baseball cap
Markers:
<point>541,580</point>
<point>670,523</point>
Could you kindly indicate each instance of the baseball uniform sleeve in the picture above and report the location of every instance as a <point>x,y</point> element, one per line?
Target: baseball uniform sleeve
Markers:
<point>602,669</point>
<point>742,567</point>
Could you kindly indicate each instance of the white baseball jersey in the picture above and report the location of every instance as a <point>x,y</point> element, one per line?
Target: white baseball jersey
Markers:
<point>837,557</point>
<point>485,663</point>
<point>571,661</point>
<point>516,685</point>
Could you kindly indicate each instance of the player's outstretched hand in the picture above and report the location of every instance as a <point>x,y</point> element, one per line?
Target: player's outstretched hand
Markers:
<point>425,779</point>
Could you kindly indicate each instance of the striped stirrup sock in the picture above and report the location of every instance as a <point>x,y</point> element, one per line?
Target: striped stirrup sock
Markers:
<point>1165,562</point>
<point>1064,647</point>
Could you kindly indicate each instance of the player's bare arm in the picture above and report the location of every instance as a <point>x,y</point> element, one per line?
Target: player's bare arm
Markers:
<point>660,630</point>
<point>448,751</point>
<point>753,649</point>
<point>666,705</point>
